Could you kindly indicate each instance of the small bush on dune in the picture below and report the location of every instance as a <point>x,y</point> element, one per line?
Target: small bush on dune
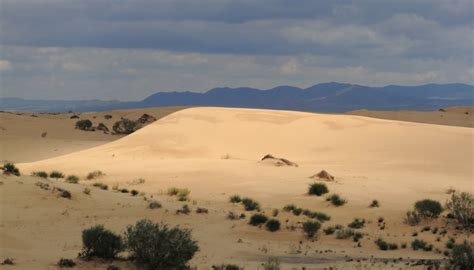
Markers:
<point>258,219</point>
<point>87,191</point>
<point>384,245</point>
<point>374,203</point>
<point>344,233</point>
<point>329,230</point>
<point>461,207</point>
<point>235,199</point>
<point>94,175</point>
<point>336,200</point>
<point>310,228</point>
<point>428,208</point>
<point>100,242</point>
<point>40,174</point>
<point>56,174</point>
<point>250,204</point>
<point>134,192</point>
<point>273,225</point>
<point>412,218</point>
<point>124,190</point>
<point>66,263</point>
<point>357,223</point>
<point>172,191</point>
<point>226,267</point>
<point>159,247</point>
<point>462,256</point>
<point>275,212</point>
<point>420,244</point>
<point>289,207</point>
<point>154,205</point>
<point>297,211</point>
<point>72,179</point>
<point>84,124</point>
<point>318,189</point>
<point>125,126</point>
<point>271,264</point>
<point>10,168</point>
<point>101,186</point>
<point>183,194</point>
<point>66,194</point>
<point>321,216</point>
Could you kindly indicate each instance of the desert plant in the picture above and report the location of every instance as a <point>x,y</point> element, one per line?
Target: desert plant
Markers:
<point>101,185</point>
<point>56,174</point>
<point>66,263</point>
<point>10,168</point>
<point>66,194</point>
<point>138,181</point>
<point>420,244</point>
<point>344,233</point>
<point>94,175</point>
<point>412,218</point>
<point>226,267</point>
<point>329,230</point>
<point>357,236</point>
<point>124,190</point>
<point>273,225</point>
<point>250,204</point>
<point>321,216</point>
<point>85,124</point>
<point>257,219</point>
<point>271,264</point>
<point>87,191</point>
<point>357,223</point>
<point>125,126</point>
<point>461,207</point>
<point>297,211</point>
<point>100,242</point>
<point>384,245</point>
<point>183,194</point>
<point>108,116</point>
<point>428,208</point>
<point>113,267</point>
<point>158,246</point>
<point>72,179</point>
<point>235,199</point>
<point>172,191</point>
<point>374,203</point>
<point>318,189</point>
<point>134,192</point>
<point>154,205</point>
<point>289,207</point>
<point>462,256</point>
<point>40,174</point>
<point>336,200</point>
<point>310,228</point>
<point>275,212</point>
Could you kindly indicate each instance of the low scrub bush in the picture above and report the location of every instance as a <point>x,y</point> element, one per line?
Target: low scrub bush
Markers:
<point>462,256</point>
<point>72,179</point>
<point>134,192</point>
<point>271,264</point>
<point>461,207</point>
<point>85,124</point>
<point>329,230</point>
<point>357,223</point>
<point>420,244</point>
<point>100,242</point>
<point>226,267</point>
<point>384,245</point>
<point>318,189</point>
<point>87,191</point>
<point>158,246</point>
<point>40,174</point>
<point>336,200</point>
<point>374,203</point>
<point>66,194</point>
<point>289,207</point>
<point>101,186</point>
<point>94,175</point>
<point>258,219</point>
<point>124,190</point>
<point>428,208</point>
<point>181,193</point>
<point>357,236</point>
<point>56,174</point>
<point>154,205</point>
<point>250,205</point>
<point>344,233</point>
<point>273,225</point>
<point>297,211</point>
<point>66,263</point>
<point>310,228</point>
<point>125,126</point>
<point>235,199</point>
<point>10,168</point>
<point>275,212</point>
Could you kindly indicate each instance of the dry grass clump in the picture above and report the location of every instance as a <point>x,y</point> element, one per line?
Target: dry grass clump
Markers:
<point>181,193</point>
<point>138,181</point>
<point>258,219</point>
<point>101,186</point>
<point>66,263</point>
<point>154,204</point>
<point>461,207</point>
<point>94,175</point>
<point>87,191</point>
<point>56,174</point>
<point>383,245</point>
<point>72,179</point>
<point>41,174</point>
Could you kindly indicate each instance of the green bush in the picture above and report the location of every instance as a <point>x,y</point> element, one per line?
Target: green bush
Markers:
<point>462,256</point>
<point>357,223</point>
<point>420,244</point>
<point>40,174</point>
<point>273,225</point>
<point>10,168</point>
<point>374,203</point>
<point>322,216</point>
<point>250,204</point>
<point>329,230</point>
<point>134,192</point>
<point>154,205</point>
<point>413,218</point>
<point>384,245</point>
<point>289,207</point>
<point>461,207</point>
<point>66,194</point>
<point>159,247</point>
<point>100,242</point>
<point>56,174</point>
<point>310,228</point>
<point>428,208</point>
<point>318,189</point>
<point>72,179</point>
<point>235,199</point>
<point>297,211</point>
<point>84,124</point>
<point>257,219</point>
<point>357,236</point>
<point>344,233</point>
<point>336,200</point>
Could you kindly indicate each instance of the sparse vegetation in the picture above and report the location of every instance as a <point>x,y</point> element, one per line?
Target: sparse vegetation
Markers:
<point>181,193</point>
<point>72,179</point>
<point>342,233</point>
<point>87,191</point>
<point>258,219</point>
<point>41,174</point>
<point>420,244</point>
<point>158,246</point>
<point>273,225</point>
<point>10,168</point>
<point>385,245</point>
<point>275,212</point>
<point>428,208</point>
<point>85,124</point>
<point>100,242</point>
<point>271,264</point>
<point>154,204</point>
<point>412,218</point>
<point>461,207</point>
<point>357,223</point>
<point>289,207</point>
<point>226,267</point>
<point>318,189</point>
<point>94,175</point>
<point>66,263</point>
<point>329,230</point>
<point>101,186</point>
<point>66,194</point>
<point>125,126</point>
<point>336,200</point>
<point>462,256</point>
<point>56,174</point>
<point>374,203</point>
<point>250,205</point>
<point>310,228</point>
<point>138,181</point>
<point>235,199</point>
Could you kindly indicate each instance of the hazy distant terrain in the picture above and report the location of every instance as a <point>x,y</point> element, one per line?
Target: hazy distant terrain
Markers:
<point>325,97</point>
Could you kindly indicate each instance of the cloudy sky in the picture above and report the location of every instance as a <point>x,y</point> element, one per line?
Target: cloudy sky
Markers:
<point>126,50</point>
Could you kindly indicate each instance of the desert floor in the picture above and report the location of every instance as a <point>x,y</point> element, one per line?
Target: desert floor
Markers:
<point>216,153</point>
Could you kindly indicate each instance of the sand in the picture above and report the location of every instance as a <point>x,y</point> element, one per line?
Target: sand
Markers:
<point>215,152</point>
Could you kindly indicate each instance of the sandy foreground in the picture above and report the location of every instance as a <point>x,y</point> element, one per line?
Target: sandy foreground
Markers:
<point>216,152</point>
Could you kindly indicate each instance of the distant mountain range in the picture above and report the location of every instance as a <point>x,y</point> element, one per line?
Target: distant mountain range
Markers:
<point>324,97</point>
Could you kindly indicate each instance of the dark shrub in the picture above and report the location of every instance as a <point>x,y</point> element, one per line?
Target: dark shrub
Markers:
<point>258,219</point>
<point>428,208</point>
<point>384,245</point>
<point>329,230</point>
<point>10,168</point>
<point>273,225</point>
<point>250,204</point>
<point>462,256</point>
<point>357,236</point>
<point>108,116</point>
<point>357,223</point>
<point>235,199</point>
<point>374,203</point>
<point>420,244</point>
<point>344,233</point>
<point>101,186</point>
<point>310,228</point>
<point>72,179</point>
<point>66,263</point>
<point>56,174</point>
<point>134,192</point>
<point>297,211</point>
<point>226,267</point>
<point>336,200</point>
<point>275,212</point>
<point>94,174</point>
<point>66,194</point>
<point>318,189</point>
<point>40,174</point>
<point>84,124</point>
<point>100,242</point>
<point>321,216</point>
<point>124,190</point>
<point>125,126</point>
<point>154,205</point>
<point>289,207</point>
<point>461,207</point>
<point>8,261</point>
<point>159,247</point>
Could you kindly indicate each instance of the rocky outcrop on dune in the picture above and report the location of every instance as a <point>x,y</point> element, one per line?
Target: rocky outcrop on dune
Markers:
<point>268,158</point>
<point>323,175</point>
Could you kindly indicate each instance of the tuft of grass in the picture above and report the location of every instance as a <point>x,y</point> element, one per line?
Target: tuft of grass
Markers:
<point>94,175</point>
<point>317,189</point>
<point>41,174</point>
<point>87,191</point>
<point>73,179</point>
<point>154,204</point>
<point>66,263</point>
<point>421,244</point>
<point>357,223</point>
<point>275,212</point>
<point>235,199</point>
<point>134,192</point>
<point>374,203</point>
<point>66,194</point>
<point>10,168</point>
<point>329,230</point>
<point>383,245</point>
<point>101,186</point>
<point>289,207</point>
<point>56,174</point>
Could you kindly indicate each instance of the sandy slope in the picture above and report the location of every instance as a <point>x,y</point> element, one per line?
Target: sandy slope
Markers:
<point>215,152</point>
